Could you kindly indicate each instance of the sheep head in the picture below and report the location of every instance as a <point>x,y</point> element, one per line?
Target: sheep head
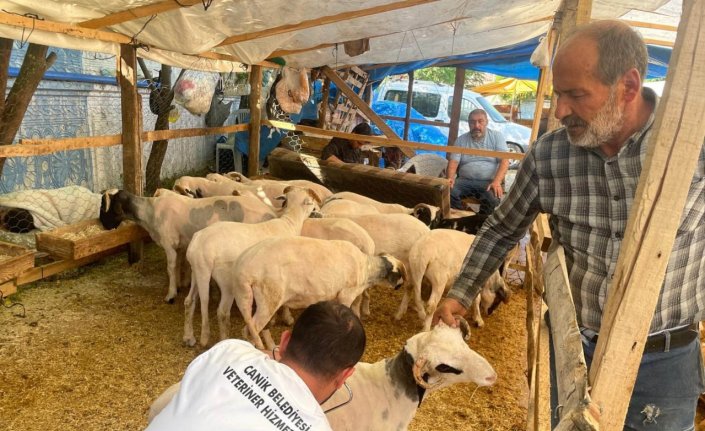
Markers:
<point>493,293</point>
<point>112,212</point>
<point>428,214</point>
<point>442,358</point>
<point>394,270</point>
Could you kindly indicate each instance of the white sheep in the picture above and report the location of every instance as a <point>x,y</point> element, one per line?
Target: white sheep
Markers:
<point>222,243</point>
<point>436,258</point>
<point>381,207</point>
<point>172,220</point>
<point>345,208</point>
<point>274,188</point>
<point>387,393</point>
<point>345,230</point>
<point>298,272</point>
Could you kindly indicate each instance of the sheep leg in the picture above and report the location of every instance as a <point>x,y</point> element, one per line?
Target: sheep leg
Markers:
<point>202,285</point>
<point>226,303</point>
<point>431,305</point>
<point>285,316</point>
<point>365,304</point>
<point>475,312</point>
<point>404,305</point>
<point>245,301</point>
<point>355,306</point>
<point>172,264</point>
<point>189,309</point>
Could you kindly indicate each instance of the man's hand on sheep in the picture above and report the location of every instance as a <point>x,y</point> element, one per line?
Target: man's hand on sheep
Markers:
<point>446,311</point>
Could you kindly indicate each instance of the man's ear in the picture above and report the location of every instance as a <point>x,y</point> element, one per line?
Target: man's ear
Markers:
<point>343,376</point>
<point>284,342</point>
<point>632,84</point>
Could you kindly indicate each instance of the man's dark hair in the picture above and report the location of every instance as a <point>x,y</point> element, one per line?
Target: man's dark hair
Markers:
<point>326,338</point>
<point>363,129</point>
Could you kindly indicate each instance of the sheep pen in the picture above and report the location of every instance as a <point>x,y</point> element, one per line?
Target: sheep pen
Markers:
<point>98,345</point>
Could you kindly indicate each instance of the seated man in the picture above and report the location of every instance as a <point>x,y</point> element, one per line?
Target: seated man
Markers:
<point>345,151</point>
<point>234,386</point>
<point>479,177</point>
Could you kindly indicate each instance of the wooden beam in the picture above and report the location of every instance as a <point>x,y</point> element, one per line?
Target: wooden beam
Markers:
<point>390,142</point>
<point>455,119</point>
<point>416,121</point>
<point>362,106</point>
<point>136,13</point>
<point>571,368</point>
<point>409,101</point>
<point>62,28</point>
<point>188,133</point>
<point>255,116</point>
<point>323,111</point>
<point>323,21</point>
<point>544,79</point>
<point>653,25</point>
<point>104,36</point>
<point>131,109</point>
<point>676,139</point>
<point>572,13</point>
<point>658,42</point>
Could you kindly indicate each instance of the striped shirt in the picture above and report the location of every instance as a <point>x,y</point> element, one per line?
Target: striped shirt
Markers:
<point>587,196</point>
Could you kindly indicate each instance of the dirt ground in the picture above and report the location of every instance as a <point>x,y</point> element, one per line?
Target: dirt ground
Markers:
<point>97,345</point>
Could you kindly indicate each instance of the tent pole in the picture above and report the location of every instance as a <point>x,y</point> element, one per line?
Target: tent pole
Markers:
<point>255,117</point>
<point>457,103</point>
<point>409,101</point>
<point>131,108</point>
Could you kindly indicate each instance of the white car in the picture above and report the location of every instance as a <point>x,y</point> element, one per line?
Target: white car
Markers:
<point>435,101</point>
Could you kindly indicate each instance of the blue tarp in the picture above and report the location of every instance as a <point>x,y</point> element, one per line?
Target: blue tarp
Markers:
<point>512,61</point>
<point>417,132</point>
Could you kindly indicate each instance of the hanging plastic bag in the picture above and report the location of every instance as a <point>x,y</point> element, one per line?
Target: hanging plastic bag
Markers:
<point>292,89</point>
<point>541,57</point>
<point>194,90</point>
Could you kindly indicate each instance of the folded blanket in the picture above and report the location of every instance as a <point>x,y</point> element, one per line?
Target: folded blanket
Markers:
<point>55,208</point>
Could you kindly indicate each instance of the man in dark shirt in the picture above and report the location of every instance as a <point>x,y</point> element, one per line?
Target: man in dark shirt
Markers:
<point>346,151</point>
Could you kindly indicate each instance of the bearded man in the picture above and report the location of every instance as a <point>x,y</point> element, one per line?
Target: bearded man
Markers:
<point>478,176</point>
<point>584,176</point>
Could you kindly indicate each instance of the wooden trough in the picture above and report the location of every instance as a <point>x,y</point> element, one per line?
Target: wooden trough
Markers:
<point>14,260</point>
<point>87,238</point>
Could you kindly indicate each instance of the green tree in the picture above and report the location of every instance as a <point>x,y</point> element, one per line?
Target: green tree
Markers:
<point>446,75</point>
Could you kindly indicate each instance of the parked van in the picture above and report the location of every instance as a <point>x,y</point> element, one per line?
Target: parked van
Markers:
<point>435,101</point>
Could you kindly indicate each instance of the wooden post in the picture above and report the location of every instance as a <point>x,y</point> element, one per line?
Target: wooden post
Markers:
<point>457,104</point>
<point>362,106</point>
<point>544,79</point>
<point>409,101</point>
<point>255,117</point>
<point>131,108</point>
<point>323,111</point>
<point>654,217</point>
<point>571,14</point>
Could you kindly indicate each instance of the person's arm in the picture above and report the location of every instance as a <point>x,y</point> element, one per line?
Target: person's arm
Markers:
<point>502,230</point>
<point>496,185</point>
<point>452,170</point>
<point>334,159</point>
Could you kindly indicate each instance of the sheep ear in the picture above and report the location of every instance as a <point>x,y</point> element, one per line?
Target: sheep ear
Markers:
<point>287,189</point>
<point>236,193</point>
<point>280,198</point>
<point>314,196</point>
<point>181,190</point>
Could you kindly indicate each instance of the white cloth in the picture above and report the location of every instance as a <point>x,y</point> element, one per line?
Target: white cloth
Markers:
<point>479,167</point>
<point>55,208</point>
<point>235,387</point>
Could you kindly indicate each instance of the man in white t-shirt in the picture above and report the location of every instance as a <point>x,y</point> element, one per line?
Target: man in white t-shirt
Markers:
<point>233,386</point>
<point>478,176</point>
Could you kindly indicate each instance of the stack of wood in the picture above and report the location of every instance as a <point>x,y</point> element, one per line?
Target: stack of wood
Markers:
<point>344,112</point>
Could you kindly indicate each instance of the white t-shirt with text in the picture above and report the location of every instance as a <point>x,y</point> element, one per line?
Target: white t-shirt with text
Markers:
<point>235,387</point>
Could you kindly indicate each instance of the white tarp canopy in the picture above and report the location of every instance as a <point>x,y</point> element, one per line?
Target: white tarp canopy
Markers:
<point>426,30</point>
